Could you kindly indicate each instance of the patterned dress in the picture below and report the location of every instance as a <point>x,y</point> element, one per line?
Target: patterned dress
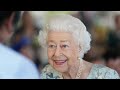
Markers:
<point>97,72</point>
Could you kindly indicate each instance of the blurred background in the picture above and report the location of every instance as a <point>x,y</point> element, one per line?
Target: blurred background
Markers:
<point>104,27</point>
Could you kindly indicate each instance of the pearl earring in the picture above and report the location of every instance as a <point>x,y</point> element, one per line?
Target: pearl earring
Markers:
<point>79,58</point>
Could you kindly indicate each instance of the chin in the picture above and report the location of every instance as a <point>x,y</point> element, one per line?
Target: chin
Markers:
<point>61,70</point>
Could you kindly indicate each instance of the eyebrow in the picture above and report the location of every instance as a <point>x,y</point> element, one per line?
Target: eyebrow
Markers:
<point>64,41</point>
<point>60,41</point>
<point>50,41</point>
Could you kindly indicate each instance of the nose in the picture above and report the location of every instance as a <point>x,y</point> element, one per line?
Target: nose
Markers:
<point>58,51</point>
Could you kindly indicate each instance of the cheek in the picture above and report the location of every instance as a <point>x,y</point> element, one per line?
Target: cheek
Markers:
<point>50,54</point>
<point>72,56</point>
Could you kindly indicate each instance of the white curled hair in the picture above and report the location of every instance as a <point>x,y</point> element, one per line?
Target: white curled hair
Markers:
<point>67,23</point>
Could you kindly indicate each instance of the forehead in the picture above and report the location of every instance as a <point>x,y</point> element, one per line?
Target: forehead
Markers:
<point>60,36</point>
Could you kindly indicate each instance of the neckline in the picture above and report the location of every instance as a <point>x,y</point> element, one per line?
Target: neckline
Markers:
<point>91,71</point>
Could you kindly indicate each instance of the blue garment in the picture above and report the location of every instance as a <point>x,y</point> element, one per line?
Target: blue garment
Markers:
<point>16,66</point>
<point>24,41</point>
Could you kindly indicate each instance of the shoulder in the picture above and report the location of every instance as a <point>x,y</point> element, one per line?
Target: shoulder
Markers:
<point>16,65</point>
<point>10,56</point>
<point>50,73</point>
<point>8,53</point>
<point>103,72</point>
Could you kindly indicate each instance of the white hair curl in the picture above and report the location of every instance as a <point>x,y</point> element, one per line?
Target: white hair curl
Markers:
<point>67,23</point>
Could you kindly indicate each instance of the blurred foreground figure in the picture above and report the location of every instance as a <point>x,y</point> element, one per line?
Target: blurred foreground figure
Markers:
<point>24,39</point>
<point>12,64</point>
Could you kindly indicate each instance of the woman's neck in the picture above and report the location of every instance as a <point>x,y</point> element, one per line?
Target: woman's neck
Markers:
<point>72,72</point>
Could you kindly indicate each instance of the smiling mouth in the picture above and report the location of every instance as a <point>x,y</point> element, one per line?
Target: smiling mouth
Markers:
<point>59,62</point>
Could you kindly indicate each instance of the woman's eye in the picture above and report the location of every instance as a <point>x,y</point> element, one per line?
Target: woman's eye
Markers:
<point>65,46</point>
<point>51,46</point>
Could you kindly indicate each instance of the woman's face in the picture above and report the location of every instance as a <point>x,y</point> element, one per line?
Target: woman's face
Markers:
<point>62,50</point>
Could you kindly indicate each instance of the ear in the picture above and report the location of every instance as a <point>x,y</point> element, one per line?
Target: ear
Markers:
<point>9,23</point>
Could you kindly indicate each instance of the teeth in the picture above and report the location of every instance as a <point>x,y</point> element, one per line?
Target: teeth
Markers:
<point>60,62</point>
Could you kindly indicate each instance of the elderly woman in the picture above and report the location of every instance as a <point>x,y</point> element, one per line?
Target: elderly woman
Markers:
<point>67,40</point>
